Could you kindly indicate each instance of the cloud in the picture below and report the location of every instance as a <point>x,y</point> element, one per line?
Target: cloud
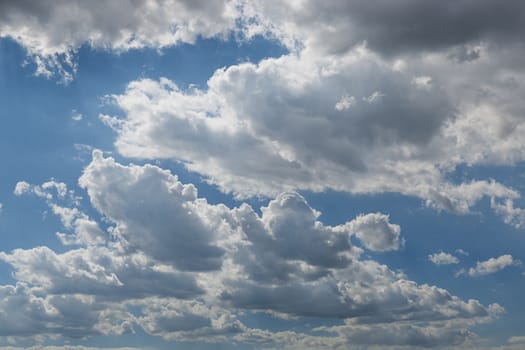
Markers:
<point>63,347</point>
<point>73,316</point>
<point>52,32</point>
<point>283,111</point>
<point>172,225</point>
<point>492,265</point>
<point>98,271</point>
<point>387,107</point>
<point>376,232</point>
<point>442,258</point>
<point>282,261</point>
<point>511,215</point>
<point>76,116</point>
<point>21,187</point>
<point>406,27</point>
<point>370,137</point>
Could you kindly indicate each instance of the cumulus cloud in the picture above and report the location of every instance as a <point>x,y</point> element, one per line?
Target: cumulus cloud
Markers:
<point>492,265</point>
<point>387,107</point>
<point>283,262</point>
<point>52,31</point>
<point>283,111</point>
<point>511,215</point>
<point>376,232</point>
<point>172,225</point>
<point>443,258</point>
<point>73,316</point>
<point>395,114</point>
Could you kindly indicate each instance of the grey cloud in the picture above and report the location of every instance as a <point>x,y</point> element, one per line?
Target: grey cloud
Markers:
<point>189,320</point>
<point>288,233</point>
<point>99,272</point>
<point>283,261</point>
<point>52,31</point>
<point>398,137</point>
<point>365,291</point>
<point>283,111</point>
<point>407,26</point>
<point>166,225</point>
<point>376,232</point>
<point>26,315</point>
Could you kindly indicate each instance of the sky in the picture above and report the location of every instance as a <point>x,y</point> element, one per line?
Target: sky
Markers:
<point>244,174</point>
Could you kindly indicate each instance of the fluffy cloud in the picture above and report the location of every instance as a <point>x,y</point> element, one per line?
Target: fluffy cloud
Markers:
<point>98,272</point>
<point>26,314</point>
<point>396,114</point>
<point>492,265</point>
<point>443,258</point>
<point>283,261</point>
<point>387,107</point>
<point>342,115</point>
<point>51,31</point>
<point>172,225</point>
<point>283,111</point>
<point>511,215</point>
<point>376,232</point>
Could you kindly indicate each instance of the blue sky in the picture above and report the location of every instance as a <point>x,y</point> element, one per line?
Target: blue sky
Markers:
<point>262,175</point>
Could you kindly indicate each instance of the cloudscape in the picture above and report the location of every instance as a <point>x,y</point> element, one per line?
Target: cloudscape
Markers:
<point>242,174</point>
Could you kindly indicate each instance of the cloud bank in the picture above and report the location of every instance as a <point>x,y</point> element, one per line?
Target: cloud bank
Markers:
<point>222,262</point>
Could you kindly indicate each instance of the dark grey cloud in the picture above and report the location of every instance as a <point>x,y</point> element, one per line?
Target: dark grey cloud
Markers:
<point>395,28</point>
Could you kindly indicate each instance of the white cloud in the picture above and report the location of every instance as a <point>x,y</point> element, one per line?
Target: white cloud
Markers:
<point>511,215</point>
<point>346,102</point>
<point>443,258</point>
<point>51,33</point>
<point>355,112</point>
<point>283,262</point>
<point>21,187</point>
<point>76,116</point>
<point>27,314</point>
<point>283,111</point>
<point>376,232</point>
<point>492,265</point>
<point>326,128</point>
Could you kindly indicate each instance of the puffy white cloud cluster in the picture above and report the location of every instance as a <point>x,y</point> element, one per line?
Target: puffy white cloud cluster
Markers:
<point>371,98</point>
<point>376,232</point>
<point>52,31</point>
<point>191,268</point>
<point>492,265</point>
<point>443,258</point>
<point>395,137</point>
